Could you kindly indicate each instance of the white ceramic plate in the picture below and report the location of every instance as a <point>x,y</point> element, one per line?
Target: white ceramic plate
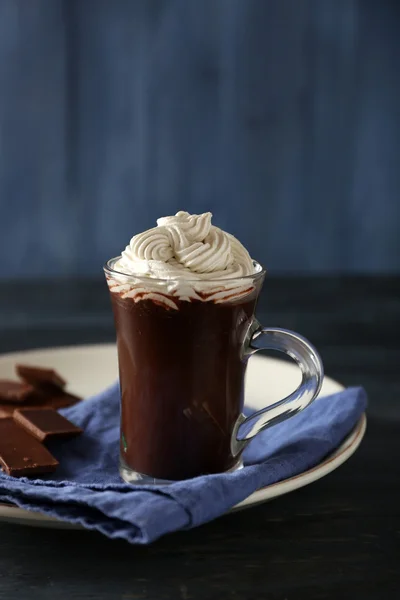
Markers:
<point>89,369</point>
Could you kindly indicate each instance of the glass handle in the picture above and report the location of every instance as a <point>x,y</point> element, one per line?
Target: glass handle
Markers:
<point>310,363</point>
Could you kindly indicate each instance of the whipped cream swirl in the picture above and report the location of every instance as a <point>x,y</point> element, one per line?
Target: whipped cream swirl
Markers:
<point>189,254</point>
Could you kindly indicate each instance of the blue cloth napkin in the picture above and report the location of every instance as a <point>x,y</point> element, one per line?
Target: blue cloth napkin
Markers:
<point>87,490</point>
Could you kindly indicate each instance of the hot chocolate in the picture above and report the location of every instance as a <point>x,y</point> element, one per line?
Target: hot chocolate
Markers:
<point>183,297</point>
<point>181,376</point>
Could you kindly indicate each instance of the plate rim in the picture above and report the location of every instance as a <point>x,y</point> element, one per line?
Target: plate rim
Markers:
<point>333,461</point>
<point>13,514</point>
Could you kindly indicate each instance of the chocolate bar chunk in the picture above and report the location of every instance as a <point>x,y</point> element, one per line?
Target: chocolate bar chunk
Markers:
<point>40,377</point>
<point>15,392</point>
<point>60,400</point>
<point>21,454</point>
<point>6,410</point>
<point>45,424</point>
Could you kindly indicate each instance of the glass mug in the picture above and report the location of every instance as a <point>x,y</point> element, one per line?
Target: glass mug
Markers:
<point>182,364</point>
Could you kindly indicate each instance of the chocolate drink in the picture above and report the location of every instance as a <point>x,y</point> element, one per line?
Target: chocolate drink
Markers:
<point>181,377</point>
<point>184,295</point>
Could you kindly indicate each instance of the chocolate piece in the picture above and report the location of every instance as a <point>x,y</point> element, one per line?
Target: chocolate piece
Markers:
<point>21,454</point>
<point>45,424</point>
<point>40,376</point>
<point>15,392</point>
<point>58,400</point>
<point>6,410</point>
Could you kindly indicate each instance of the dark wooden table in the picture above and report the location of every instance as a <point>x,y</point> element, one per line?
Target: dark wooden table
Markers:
<point>336,539</point>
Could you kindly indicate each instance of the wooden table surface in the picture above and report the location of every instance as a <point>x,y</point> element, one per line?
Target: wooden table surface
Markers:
<point>338,538</point>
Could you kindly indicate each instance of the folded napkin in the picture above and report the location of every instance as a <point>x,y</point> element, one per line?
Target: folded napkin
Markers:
<point>87,490</point>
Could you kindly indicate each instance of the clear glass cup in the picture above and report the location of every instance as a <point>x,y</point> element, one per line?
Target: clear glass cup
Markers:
<point>183,348</point>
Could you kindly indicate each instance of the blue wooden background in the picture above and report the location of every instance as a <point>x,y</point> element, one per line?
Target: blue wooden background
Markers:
<point>280,116</point>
